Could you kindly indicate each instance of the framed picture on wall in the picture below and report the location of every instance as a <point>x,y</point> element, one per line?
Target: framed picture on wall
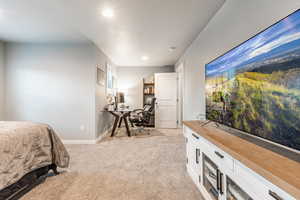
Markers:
<point>100,76</point>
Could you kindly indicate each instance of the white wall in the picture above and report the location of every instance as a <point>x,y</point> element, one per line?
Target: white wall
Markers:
<point>234,23</point>
<point>54,84</point>
<point>2,87</point>
<point>130,81</point>
<point>104,120</point>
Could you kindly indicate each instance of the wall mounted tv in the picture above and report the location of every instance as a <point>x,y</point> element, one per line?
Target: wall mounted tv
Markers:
<point>255,87</point>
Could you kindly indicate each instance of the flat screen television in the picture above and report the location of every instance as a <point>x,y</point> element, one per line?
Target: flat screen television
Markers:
<point>255,87</point>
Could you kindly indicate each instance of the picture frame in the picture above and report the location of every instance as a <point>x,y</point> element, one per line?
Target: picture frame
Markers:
<point>100,76</point>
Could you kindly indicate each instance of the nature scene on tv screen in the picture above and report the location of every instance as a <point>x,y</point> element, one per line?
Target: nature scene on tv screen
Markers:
<point>256,86</point>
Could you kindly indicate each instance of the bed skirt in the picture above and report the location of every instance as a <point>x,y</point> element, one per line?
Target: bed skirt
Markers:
<point>26,183</point>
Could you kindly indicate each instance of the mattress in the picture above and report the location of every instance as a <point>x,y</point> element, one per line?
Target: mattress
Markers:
<point>27,146</point>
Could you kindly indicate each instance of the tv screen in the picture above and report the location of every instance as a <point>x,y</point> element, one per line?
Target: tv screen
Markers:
<point>255,87</point>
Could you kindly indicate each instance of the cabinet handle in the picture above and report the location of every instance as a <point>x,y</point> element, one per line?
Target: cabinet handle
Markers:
<point>197,155</point>
<point>274,195</point>
<point>218,179</point>
<point>218,154</point>
<point>221,183</point>
<point>195,136</point>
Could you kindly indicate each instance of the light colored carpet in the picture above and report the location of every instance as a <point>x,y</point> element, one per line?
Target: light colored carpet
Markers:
<point>145,167</point>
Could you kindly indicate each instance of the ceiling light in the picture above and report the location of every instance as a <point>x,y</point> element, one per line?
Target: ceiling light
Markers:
<point>172,48</point>
<point>145,58</point>
<point>108,13</point>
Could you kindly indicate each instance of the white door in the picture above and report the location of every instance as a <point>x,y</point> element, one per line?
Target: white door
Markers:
<point>166,100</point>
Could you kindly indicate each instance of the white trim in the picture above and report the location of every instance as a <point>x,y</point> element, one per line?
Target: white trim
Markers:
<point>79,141</point>
<point>88,141</point>
<point>180,104</point>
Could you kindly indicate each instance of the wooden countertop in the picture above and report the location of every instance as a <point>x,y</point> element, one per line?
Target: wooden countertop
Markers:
<point>279,170</point>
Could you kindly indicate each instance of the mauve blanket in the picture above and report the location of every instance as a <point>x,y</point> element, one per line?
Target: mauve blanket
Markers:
<point>27,146</point>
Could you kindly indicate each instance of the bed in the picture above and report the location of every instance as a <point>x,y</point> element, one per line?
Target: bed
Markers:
<point>27,152</point>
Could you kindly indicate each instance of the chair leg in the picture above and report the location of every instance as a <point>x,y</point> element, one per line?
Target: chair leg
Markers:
<point>131,123</point>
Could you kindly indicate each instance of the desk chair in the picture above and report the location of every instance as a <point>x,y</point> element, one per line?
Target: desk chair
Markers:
<point>142,117</point>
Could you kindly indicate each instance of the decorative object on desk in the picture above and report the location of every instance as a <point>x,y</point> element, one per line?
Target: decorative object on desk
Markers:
<point>100,76</point>
<point>120,100</point>
<point>110,99</point>
<point>110,102</point>
<point>120,97</point>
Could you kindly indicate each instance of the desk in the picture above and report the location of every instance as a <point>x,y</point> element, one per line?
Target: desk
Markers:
<point>121,115</point>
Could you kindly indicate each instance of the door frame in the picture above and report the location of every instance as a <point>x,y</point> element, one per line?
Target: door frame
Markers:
<point>180,105</point>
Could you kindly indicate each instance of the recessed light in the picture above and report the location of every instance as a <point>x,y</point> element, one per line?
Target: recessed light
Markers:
<point>108,13</point>
<point>145,58</point>
<point>172,48</point>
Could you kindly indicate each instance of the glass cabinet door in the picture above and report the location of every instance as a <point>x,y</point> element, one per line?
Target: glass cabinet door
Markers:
<point>210,177</point>
<point>234,192</point>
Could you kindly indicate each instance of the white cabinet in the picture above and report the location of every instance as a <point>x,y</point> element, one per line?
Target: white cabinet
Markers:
<point>225,177</point>
<point>193,156</point>
<point>262,188</point>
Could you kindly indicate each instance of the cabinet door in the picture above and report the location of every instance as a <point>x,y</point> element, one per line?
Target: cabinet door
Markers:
<point>194,155</point>
<point>211,178</point>
<point>235,192</point>
<point>258,185</point>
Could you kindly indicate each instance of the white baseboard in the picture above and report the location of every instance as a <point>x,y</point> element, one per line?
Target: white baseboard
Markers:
<point>79,141</point>
<point>87,141</point>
